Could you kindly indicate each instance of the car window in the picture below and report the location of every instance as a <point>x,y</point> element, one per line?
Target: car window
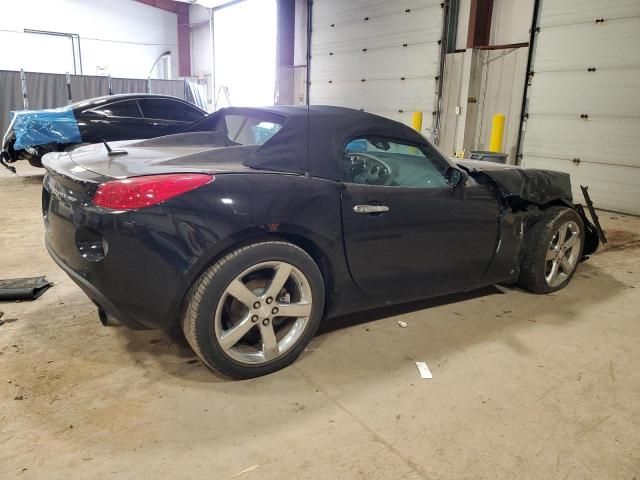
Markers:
<point>187,113</point>
<point>380,161</point>
<point>127,108</point>
<point>163,109</point>
<point>248,130</point>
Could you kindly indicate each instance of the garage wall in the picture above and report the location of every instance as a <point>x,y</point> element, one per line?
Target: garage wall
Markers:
<point>454,101</point>
<point>510,21</point>
<point>382,57</point>
<point>462,28</point>
<point>300,33</point>
<point>584,102</point>
<point>200,37</point>
<point>118,37</point>
<point>200,41</point>
<point>478,84</point>
<point>501,74</point>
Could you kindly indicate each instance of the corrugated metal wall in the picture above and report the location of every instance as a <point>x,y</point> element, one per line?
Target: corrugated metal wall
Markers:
<point>584,102</point>
<point>382,57</point>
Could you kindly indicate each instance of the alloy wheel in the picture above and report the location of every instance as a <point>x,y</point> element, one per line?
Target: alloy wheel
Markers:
<point>562,255</point>
<point>263,312</point>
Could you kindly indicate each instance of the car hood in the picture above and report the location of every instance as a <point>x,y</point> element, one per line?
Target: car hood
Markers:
<point>530,184</point>
<point>203,152</point>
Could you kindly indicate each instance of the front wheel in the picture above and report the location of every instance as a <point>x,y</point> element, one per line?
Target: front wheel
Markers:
<point>553,250</point>
<point>254,311</point>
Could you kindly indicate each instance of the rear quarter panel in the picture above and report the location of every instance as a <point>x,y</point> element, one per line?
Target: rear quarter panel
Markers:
<point>180,238</point>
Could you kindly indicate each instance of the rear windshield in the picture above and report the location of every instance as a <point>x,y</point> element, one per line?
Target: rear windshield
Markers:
<point>248,130</point>
<point>241,128</point>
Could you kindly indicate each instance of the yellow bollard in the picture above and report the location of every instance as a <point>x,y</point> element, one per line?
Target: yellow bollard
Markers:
<point>497,131</point>
<point>416,121</point>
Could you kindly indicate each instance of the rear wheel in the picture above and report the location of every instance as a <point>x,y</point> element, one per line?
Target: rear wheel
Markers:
<point>554,249</point>
<point>254,311</point>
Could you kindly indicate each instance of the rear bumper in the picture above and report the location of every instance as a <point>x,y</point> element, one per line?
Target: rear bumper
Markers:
<point>131,264</point>
<point>94,294</point>
<point>133,287</point>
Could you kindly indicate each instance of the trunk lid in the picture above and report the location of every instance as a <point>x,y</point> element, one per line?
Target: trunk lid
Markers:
<point>198,152</point>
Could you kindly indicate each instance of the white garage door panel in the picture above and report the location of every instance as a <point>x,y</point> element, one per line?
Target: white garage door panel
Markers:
<point>339,12</point>
<point>415,95</point>
<point>562,12</point>
<point>610,187</point>
<point>419,27</point>
<point>615,43</point>
<point>599,93</point>
<point>349,66</point>
<point>607,142</point>
<point>392,44</point>
<point>405,117</point>
<point>603,140</point>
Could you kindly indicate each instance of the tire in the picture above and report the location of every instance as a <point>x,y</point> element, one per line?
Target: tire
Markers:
<point>544,252</point>
<point>35,162</point>
<point>241,332</point>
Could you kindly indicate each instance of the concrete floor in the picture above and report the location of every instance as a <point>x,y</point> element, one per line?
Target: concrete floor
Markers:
<point>523,386</point>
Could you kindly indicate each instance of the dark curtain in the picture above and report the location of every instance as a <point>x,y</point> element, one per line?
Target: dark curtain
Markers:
<point>175,88</point>
<point>85,86</point>
<point>10,97</point>
<point>49,90</point>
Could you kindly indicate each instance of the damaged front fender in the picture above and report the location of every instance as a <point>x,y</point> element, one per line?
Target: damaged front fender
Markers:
<point>523,188</point>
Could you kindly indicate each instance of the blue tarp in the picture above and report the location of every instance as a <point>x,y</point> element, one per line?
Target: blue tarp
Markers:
<point>40,127</point>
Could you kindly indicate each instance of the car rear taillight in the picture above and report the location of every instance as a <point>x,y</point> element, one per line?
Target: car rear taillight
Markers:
<point>140,192</point>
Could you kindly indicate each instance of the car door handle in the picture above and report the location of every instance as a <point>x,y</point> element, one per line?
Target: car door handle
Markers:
<point>370,209</point>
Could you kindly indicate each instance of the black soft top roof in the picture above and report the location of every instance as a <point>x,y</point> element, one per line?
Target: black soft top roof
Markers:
<point>313,137</point>
<point>312,140</point>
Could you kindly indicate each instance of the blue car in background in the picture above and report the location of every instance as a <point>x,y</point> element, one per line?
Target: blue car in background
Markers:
<point>33,133</point>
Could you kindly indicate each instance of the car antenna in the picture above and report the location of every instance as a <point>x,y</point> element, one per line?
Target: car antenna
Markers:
<point>111,152</point>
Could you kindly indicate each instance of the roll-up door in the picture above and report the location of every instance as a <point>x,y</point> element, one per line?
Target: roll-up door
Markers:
<point>379,56</point>
<point>584,101</point>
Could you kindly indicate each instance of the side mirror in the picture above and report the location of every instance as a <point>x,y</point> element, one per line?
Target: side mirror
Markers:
<point>455,177</point>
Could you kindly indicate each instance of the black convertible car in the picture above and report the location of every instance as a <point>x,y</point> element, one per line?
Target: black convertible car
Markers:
<point>254,224</point>
<point>129,116</point>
